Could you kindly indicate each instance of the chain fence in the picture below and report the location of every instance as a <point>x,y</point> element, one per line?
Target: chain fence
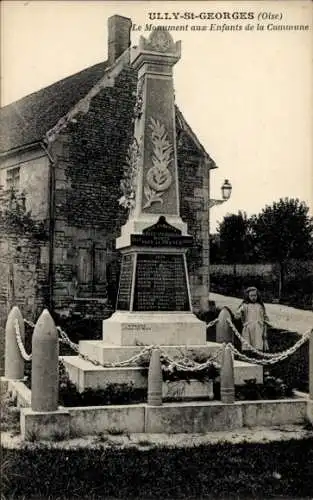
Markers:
<point>183,364</point>
<point>25,356</point>
<point>271,358</point>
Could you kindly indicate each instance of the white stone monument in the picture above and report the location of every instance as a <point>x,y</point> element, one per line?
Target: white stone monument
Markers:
<point>154,302</point>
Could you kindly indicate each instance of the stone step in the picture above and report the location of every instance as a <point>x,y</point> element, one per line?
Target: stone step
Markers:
<point>101,352</point>
<point>85,374</point>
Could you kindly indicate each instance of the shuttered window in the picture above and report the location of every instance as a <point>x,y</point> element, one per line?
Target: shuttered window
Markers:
<point>91,268</point>
<point>13,178</point>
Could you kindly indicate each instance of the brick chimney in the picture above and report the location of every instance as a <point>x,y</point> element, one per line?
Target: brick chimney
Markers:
<point>119,36</point>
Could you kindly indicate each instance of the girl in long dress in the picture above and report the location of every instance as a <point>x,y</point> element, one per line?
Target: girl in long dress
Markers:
<point>253,315</point>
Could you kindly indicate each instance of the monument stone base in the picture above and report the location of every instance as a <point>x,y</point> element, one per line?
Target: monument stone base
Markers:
<point>127,328</point>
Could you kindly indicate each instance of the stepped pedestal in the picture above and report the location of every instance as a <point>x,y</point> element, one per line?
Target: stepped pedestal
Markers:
<point>84,374</point>
<point>125,328</point>
<point>154,304</point>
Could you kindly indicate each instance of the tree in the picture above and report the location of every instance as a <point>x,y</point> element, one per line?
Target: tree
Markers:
<point>281,232</point>
<point>234,233</point>
<point>215,252</point>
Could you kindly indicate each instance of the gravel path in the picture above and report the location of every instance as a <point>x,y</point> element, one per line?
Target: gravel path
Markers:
<point>244,435</point>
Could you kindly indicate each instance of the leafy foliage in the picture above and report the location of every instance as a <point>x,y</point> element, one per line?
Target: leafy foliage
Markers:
<point>280,232</point>
<point>297,291</point>
<point>272,388</point>
<point>128,182</point>
<point>172,373</point>
<point>235,238</point>
<point>283,231</point>
<point>14,218</point>
<point>158,176</point>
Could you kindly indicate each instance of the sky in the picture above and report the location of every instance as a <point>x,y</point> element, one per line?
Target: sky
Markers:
<point>247,94</point>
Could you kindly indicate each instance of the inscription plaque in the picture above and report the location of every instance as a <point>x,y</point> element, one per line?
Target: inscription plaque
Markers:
<point>125,285</point>
<point>161,283</point>
<point>161,240</point>
<point>161,234</point>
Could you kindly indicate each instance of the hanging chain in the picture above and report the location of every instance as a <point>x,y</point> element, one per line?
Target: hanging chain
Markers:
<point>212,323</point>
<point>273,357</point>
<point>183,364</point>
<point>29,323</point>
<point>248,345</point>
<point>19,341</point>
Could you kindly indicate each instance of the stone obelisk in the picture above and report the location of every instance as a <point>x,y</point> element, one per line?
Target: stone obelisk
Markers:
<point>154,302</point>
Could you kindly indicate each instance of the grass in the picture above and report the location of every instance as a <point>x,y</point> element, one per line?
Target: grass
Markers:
<point>10,414</point>
<point>247,470</point>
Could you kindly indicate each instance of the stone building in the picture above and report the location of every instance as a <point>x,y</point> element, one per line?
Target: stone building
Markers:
<point>64,148</point>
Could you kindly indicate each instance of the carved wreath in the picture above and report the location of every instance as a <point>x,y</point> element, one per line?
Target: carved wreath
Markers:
<point>128,182</point>
<point>158,178</point>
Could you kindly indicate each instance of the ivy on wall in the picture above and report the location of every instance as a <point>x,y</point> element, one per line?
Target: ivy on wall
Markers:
<point>15,219</point>
<point>94,164</point>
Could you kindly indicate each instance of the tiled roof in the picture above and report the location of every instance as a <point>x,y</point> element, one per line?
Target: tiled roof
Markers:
<point>28,119</point>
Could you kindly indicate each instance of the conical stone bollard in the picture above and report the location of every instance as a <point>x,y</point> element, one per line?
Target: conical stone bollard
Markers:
<point>155,379</point>
<point>227,376</point>
<point>13,360</point>
<point>45,373</point>
<point>224,332</point>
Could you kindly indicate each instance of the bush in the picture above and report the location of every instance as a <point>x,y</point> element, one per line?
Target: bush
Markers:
<point>297,292</point>
<point>295,369</point>
<point>272,388</point>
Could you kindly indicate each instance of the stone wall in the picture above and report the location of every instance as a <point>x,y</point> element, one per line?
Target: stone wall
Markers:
<point>89,156</point>
<point>34,179</point>
<point>24,260</point>
<point>194,196</point>
<point>24,270</point>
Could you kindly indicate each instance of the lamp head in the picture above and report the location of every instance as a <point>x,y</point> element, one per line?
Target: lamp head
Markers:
<point>226,190</point>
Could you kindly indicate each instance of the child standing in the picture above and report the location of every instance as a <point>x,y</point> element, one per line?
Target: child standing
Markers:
<point>253,315</point>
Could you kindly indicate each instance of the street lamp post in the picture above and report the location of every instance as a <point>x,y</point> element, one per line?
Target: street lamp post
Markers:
<point>226,192</point>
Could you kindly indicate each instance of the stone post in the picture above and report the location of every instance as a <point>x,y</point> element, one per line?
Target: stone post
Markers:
<point>227,376</point>
<point>223,331</point>
<point>45,357</point>
<point>13,361</point>
<point>311,366</point>
<point>155,379</point>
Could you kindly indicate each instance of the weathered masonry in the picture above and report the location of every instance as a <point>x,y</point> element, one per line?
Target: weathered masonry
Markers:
<point>63,153</point>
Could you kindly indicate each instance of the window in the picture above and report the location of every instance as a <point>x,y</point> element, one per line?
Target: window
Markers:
<point>91,269</point>
<point>13,178</point>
